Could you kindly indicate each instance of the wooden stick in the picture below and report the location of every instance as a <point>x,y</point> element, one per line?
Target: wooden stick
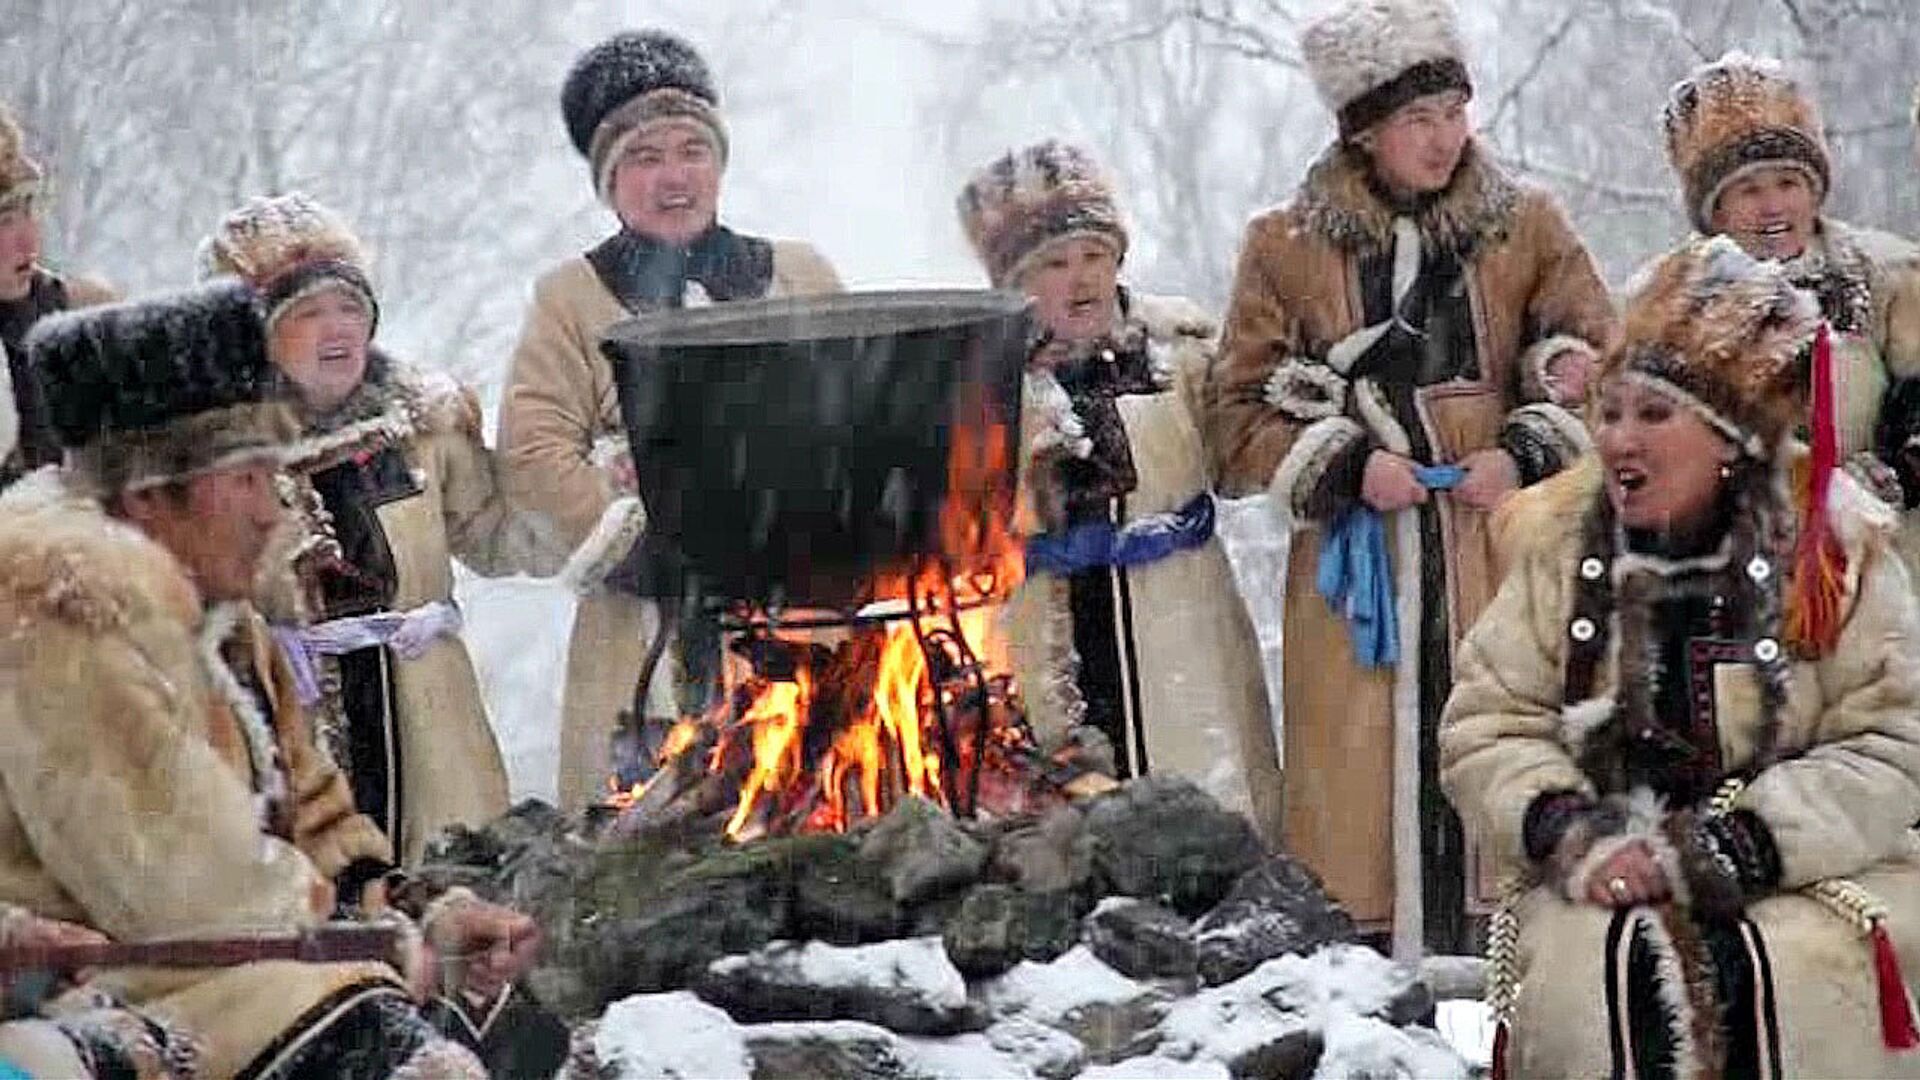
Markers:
<point>332,943</point>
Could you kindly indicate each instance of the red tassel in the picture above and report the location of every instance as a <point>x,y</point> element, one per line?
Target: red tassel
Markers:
<point>1819,562</point>
<point>1896,1009</point>
<point>1499,1063</point>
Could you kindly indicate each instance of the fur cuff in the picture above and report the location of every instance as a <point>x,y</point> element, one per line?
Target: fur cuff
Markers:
<point>1306,391</point>
<point>1296,486</point>
<point>619,529</point>
<point>1535,384</point>
<point>1620,820</point>
<point>1727,859</point>
<point>1543,440</point>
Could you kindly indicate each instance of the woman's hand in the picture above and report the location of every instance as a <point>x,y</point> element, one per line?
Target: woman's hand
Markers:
<point>1491,477</point>
<point>1628,877</point>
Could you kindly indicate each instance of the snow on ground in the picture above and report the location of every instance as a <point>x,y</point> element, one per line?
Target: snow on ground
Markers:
<point>670,1036</point>
<point>919,964</point>
<point>1154,1067</point>
<point>1361,1046</point>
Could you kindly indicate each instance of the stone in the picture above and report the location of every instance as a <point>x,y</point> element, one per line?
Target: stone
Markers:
<point>1275,909</point>
<point>1155,1067</point>
<point>1140,938</point>
<point>1367,1048</point>
<point>923,852</point>
<point>1046,1052</point>
<point>906,986</point>
<point>959,1057</point>
<point>1245,1024</point>
<point>1113,1016</point>
<point>997,926</point>
<point>841,897</point>
<point>840,1050</point>
<point>1052,853</point>
<point>1162,838</point>
<point>675,1036</point>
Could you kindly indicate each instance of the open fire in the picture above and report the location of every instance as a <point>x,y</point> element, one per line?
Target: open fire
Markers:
<point>829,719</point>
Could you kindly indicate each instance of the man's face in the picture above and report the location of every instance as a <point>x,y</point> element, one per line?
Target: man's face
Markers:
<point>666,184</point>
<point>217,524</point>
<point>1416,149</point>
<point>1771,212</point>
<point>19,250</point>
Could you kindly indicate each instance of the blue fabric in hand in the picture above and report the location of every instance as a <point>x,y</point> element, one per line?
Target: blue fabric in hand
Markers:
<point>1357,580</point>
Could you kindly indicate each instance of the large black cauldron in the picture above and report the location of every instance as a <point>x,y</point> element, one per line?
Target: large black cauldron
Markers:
<point>790,450</point>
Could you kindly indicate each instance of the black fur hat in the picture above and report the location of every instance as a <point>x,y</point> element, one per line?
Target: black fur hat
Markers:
<point>633,78</point>
<point>145,392</point>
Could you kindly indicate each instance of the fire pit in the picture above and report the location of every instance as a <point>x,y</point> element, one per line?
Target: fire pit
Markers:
<point>830,485</point>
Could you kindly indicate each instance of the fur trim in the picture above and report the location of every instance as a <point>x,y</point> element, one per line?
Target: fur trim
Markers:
<point>1583,718</point>
<point>1366,44</point>
<point>393,404</point>
<point>1370,401</point>
<point>1306,391</point>
<point>1734,114</point>
<point>20,175</point>
<point>1534,378</point>
<point>1555,428</point>
<point>187,447</point>
<point>610,541</point>
<point>269,239</point>
<point>1301,471</point>
<point>1619,821</point>
<point>1028,199</point>
<point>1338,203</point>
<point>263,748</point>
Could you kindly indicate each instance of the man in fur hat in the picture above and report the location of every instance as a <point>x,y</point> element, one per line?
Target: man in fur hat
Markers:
<point>1412,306</point>
<point>159,781</point>
<point>642,108</point>
<point>28,291</point>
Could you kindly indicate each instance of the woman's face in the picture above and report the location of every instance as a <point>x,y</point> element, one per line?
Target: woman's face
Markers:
<point>1662,461</point>
<point>19,250</point>
<point>1074,286</point>
<point>1770,212</point>
<point>320,343</point>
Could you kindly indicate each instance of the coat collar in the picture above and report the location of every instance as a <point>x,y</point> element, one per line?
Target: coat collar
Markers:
<point>64,559</point>
<point>1340,203</point>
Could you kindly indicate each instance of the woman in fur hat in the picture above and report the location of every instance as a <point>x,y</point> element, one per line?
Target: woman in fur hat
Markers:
<point>389,483</point>
<point>28,291</point>
<point>1394,334</point>
<point>642,109</point>
<point>1751,156</point>
<point>1153,650</point>
<point>1689,724</point>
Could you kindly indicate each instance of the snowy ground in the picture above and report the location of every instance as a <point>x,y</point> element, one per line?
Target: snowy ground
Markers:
<point>517,630</point>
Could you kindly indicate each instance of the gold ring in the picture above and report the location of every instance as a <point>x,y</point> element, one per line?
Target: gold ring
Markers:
<point>1618,887</point>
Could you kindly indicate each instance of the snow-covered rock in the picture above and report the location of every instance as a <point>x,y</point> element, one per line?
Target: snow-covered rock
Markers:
<point>1365,1048</point>
<point>906,985</point>
<point>670,1037</point>
<point>962,1057</point>
<point>835,1050</point>
<point>1154,1067</point>
<point>1047,1052</point>
<point>1140,938</point>
<point>1114,1016</point>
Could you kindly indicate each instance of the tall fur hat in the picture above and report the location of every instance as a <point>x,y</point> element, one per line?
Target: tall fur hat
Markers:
<point>156,390</point>
<point>629,82</point>
<point>287,247</point>
<point>20,175</point>
<point>1027,199</point>
<point>1723,334</point>
<point>1735,115</point>
<point>1369,57</point>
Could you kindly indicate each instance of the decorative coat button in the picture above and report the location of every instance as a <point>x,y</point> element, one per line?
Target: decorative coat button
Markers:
<point>1582,630</point>
<point>1591,568</point>
<point>1759,569</point>
<point>1108,355</point>
<point>1766,650</point>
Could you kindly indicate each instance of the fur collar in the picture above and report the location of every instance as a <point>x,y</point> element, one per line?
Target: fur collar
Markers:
<point>394,403</point>
<point>63,559</point>
<point>1339,202</point>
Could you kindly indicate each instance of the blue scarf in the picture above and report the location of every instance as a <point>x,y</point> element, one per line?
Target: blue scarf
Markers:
<point>1356,576</point>
<point>1149,539</point>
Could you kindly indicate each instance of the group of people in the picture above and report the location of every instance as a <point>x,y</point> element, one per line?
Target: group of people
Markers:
<point>1598,637</point>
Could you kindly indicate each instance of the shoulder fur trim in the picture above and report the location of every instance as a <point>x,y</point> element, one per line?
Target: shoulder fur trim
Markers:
<point>1180,335</point>
<point>1337,202</point>
<point>63,559</point>
<point>1548,516</point>
<point>263,749</point>
<point>396,403</point>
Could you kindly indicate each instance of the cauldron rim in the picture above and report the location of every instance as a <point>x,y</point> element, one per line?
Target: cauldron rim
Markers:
<point>819,318</point>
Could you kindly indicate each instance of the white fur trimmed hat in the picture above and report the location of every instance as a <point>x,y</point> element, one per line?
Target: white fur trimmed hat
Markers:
<point>1369,57</point>
<point>1029,198</point>
<point>287,247</point>
<point>1735,115</point>
<point>629,82</point>
<point>20,175</point>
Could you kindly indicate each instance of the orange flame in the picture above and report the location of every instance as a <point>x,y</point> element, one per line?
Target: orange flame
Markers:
<point>678,741</point>
<point>776,719</point>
